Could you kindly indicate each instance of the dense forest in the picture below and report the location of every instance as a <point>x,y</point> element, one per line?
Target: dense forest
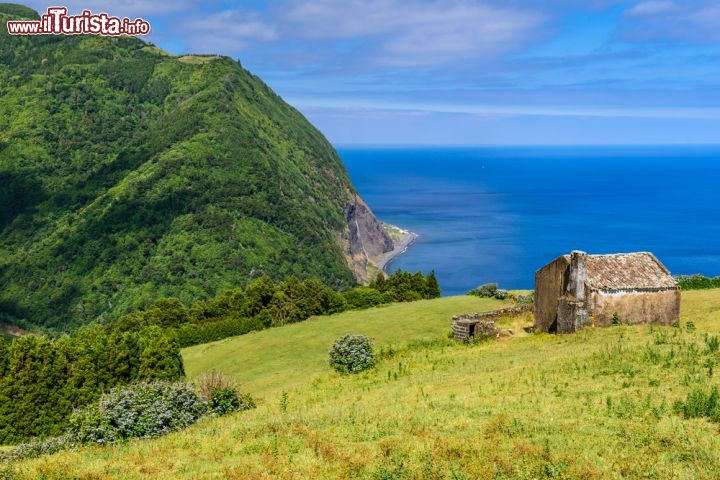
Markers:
<point>129,175</point>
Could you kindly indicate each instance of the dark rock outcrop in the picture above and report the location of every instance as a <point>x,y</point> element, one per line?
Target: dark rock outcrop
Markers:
<point>364,241</point>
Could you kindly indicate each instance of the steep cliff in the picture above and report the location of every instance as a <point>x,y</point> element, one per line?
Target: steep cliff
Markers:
<point>365,240</point>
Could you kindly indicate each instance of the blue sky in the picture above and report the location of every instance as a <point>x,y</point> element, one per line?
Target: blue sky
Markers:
<point>464,72</point>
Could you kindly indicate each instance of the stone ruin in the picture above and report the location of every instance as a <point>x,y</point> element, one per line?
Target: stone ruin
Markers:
<point>482,324</point>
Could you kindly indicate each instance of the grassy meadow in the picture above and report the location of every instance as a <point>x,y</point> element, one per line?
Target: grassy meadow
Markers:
<point>274,360</point>
<point>597,404</point>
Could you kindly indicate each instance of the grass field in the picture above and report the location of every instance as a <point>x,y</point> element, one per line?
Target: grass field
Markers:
<point>592,405</point>
<point>279,359</point>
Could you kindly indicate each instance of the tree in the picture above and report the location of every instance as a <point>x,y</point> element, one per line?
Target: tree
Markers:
<point>160,356</point>
<point>433,287</point>
<point>167,312</point>
<point>379,283</point>
<point>258,294</point>
<point>282,310</point>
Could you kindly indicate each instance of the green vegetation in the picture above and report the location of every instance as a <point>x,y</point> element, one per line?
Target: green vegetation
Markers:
<point>71,371</point>
<point>268,362</point>
<point>142,410</point>
<point>222,395</point>
<point>351,354</point>
<point>598,404</point>
<point>700,404</point>
<point>264,304</point>
<point>139,411</point>
<point>43,380</point>
<point>697,282</point>
<point>129,175</point>
<point>491,290</point>
<point>406,287</point>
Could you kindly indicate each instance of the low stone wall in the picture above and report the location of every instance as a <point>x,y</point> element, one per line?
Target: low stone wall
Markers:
<point>461,324</point>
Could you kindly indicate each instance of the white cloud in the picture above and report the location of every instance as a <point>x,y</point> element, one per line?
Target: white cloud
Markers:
<point>120,8</point>
<point>229,31</point>
<point>411,32</point>
<point>590,111</point>
<point>689,20</point>
<point>652,7</point>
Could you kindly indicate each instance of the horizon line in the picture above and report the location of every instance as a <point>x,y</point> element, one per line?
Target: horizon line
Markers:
<point>521,145</point>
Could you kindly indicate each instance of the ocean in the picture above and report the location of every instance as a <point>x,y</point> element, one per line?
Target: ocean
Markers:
<point>497,214</point>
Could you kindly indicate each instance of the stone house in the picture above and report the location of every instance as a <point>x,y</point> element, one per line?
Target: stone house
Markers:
<point>578,289</point>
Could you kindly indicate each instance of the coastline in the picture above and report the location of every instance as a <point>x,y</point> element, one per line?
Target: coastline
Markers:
<point>400,245</point>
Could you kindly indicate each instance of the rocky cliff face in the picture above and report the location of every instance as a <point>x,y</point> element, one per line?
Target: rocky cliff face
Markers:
<point>364,241</point>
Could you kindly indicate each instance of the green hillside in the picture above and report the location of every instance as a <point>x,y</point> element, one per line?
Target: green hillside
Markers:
<point>129,174</point>
<point>595,405</point>
<point>268,361</point>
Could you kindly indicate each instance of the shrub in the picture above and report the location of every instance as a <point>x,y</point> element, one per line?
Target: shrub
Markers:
<point>616,318</point>
<point>352,354</point>
<point>221,394</point>
<point>697,282</point>
<point>223,401</point>
<point>491,290</point>
<point>525,299</point>
<point>363,297</point>
<point>194,334</point>
<point>36,447</point>
<point>142,410</point>
<point>700,404</point>
<point>487,290</point>
<point>713,343</point>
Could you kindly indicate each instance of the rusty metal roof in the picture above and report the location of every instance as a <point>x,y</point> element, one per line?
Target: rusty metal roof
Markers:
<point>626,271</point>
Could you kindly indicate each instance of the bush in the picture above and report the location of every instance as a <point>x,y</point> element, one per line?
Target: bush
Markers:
<point>43,379</point>
<point>700,404</point>
<point>697,282</point>
<point>221,394</point>
<point>363,297</point>
<point>143,410</point>
<point>489,290</point>
<point>352,354</point>
<point>223,401</point>
<point>36,447</point>
<point>528,299</point>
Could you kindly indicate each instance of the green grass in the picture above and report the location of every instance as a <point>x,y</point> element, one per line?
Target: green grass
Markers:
<point>597,404</point>
<point>283,358</point>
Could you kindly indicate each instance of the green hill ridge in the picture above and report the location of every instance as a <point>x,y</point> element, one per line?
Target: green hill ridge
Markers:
<point>130,174</point>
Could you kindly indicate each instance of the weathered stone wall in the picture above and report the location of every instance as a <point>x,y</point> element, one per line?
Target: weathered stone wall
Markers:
<point>549,288</point>
<point>461,323</point>
<point>635,307</point>
<point>572,316</point>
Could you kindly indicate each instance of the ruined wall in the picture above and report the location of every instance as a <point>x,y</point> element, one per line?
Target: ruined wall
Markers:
<point>634,307</point>
<point>549,288</point>
<point>461,323</point>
